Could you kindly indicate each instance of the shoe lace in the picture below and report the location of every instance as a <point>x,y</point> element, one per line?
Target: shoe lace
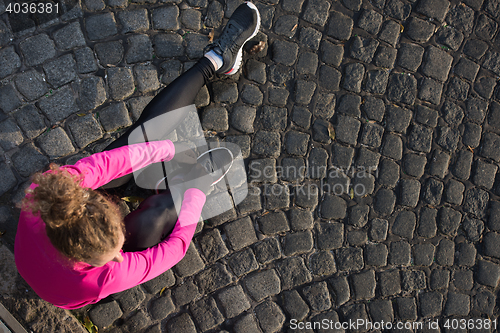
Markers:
<point>226,40</point>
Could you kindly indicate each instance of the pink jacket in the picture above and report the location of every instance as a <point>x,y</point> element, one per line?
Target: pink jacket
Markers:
<point>70,285</point>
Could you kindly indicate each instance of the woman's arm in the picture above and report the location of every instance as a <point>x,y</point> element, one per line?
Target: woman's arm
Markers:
<point>139,267</point>
<point>101,168</point>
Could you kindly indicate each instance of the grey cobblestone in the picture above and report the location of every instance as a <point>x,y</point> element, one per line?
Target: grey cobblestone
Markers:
<point>263,284</point>
<point>161,307</point>
<point>139,49</point>
<point>356,237</point>
<point>9,99</point>
<point>322,263</point>
<point>340,26</point>
<point>293,273</point>
<point>8,179</point>
<point>69,37</point>
<point>120,82</point>
<point>206,314</point>
<point>270,316</point>
<point>60,71</point>
<point>9,61</point>
<point>56,143</point>
<point>37,49</point>
<point>100,26</point>
<point>233,301</point>
<point>85,61</point>
<point>105,314</point>
<point>59,105</point>
<point>31,84</point>
<point>30,121</point>
<point>10,135</point>
<point>92,93</point>
<point>85,130</point>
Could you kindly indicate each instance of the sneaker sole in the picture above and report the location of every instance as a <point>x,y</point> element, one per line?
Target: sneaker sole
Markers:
<point>239,56</point>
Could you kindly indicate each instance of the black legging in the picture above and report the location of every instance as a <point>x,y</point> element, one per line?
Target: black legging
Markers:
<point>156,216</point>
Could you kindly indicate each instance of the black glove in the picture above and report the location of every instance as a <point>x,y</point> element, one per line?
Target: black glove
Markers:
<point>198,178</point>
<point>184,154</point>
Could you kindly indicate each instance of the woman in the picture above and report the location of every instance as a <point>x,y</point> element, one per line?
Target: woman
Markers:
<point>69,240</point>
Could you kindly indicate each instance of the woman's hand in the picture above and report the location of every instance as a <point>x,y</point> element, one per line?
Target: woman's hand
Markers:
<point>184,154</point>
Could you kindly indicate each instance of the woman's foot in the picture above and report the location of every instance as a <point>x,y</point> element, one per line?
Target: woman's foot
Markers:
<point>217,162</point>
<point>226,52</point>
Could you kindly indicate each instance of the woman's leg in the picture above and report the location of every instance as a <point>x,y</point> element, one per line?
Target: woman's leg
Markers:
<point>152,221</point>
<point>180,93</point>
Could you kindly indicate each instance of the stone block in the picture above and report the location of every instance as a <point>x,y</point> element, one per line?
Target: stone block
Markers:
<point>267,250</point>
<point>161,307</point>
<point>340,26</point>
<point>419,30</point>
<point>37,49</point>
<point>213,278</point>
<point>9,61</point>
<point>389,282</point>
<point>206,314</point>
<point>284,53</point>
<point>233,301</point>
<point>85,61</point>
<point>103,315</point>
<point>114,117</point>
<point>139,49</point>
<point>297,243</point>
<point>56,143</point>
<point>331,54</point>
<point>9,99</point>
<point>273,223</point>
<point>410,56</point>
<point>263,284</point>
<point>353,77</point>
<point>155,285</point>
<point>316,12</point>
<point>28,160</point>
<point>385,200</point>
<point>270,316</point>
<point>166,18</point>
<point>31,84</point>
<point>431,304</point>
<point>400,253</point>
<point>7,178</point>
<point>363,285</point>
<point>390,32</point>
<point>293,272</point>
<point>120,83</point>
<point>100,26</point>
<point>70,36</point>
<point>404,224</point>
<point>181,323</point>
<point>318,296</point>
<point>294,305</point>
<point>215,119</point>
<point>350,259</point>
<point>85,130</point>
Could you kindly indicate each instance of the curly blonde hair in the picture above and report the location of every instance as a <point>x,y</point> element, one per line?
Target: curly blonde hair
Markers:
<point>80,222</point>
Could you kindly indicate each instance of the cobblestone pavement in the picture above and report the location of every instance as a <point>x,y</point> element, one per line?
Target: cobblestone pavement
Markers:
<point>403,89</point>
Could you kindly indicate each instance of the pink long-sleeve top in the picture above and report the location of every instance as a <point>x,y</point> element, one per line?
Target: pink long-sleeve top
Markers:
<point>71,285</point>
